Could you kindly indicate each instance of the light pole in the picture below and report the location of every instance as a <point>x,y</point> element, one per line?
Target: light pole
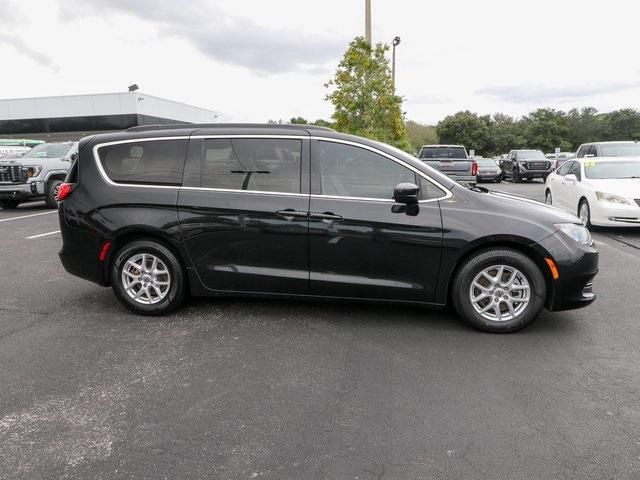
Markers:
<point>367,21</point>
<point>395,43</point>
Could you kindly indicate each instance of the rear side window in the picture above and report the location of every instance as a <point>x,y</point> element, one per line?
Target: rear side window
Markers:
<point>267,165</point>
<point>157,162</point>
<point>347,171</point>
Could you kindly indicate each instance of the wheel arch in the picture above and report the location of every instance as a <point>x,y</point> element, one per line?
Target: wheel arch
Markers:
<point>127,235</point>
<point>522,245</point>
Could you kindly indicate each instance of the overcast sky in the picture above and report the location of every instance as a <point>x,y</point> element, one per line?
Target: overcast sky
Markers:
<point>255,60</point>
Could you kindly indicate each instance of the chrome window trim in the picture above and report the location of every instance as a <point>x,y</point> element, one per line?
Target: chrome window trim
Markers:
<point>108,180</point>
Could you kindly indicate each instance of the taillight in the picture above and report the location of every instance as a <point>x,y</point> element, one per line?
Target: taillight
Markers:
<point>64,191</point>
<point>474,168</point>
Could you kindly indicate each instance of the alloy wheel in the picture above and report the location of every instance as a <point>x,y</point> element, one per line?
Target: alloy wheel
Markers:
<point>500,293</point>
<point>584,213</point>
<point>146,278</point>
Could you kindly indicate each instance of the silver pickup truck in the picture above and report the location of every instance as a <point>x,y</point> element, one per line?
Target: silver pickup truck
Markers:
<point>36,175</point>
<point>452,160</point>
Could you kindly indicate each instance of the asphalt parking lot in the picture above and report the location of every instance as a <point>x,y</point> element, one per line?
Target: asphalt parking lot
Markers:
<point>240,388</point>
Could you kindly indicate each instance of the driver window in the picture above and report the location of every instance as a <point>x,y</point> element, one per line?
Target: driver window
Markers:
<point>592,151</point>
<point>348,171</point>
<point>575,170</point>
<point>582,151</point>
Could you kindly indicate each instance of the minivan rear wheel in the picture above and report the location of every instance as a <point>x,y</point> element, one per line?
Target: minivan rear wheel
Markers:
<point>499,290</point>
<point>148,278</point>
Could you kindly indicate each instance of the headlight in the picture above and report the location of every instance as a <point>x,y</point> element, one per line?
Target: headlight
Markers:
<point>611,198</point>
<point>578,232</point>
<point>33,171</point>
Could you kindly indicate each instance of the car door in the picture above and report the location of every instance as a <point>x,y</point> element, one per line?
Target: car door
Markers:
<point>559,192</point>
<point>361,244</point>
<point>244,213</point>
<point>573,190</point>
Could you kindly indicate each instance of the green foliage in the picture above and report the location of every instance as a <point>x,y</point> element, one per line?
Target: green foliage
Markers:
<point>468,129</point>
<point>299,121</point>
<point>543,129</point>
<point>362,94</point>
<point>420,134</point>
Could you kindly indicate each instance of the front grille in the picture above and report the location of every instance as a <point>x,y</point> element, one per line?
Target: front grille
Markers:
<point>537,165</point>
<point>11,174</point>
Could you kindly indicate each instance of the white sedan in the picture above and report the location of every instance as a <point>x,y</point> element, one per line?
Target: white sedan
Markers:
<point>601,191</point>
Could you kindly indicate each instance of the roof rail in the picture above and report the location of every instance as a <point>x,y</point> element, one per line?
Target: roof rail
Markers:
<point>171,126</point>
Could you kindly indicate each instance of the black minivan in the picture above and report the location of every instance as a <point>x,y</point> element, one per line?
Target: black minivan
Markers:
<point>296,211</point>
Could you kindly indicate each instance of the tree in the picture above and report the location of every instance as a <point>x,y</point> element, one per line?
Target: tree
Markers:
<point>546,128</point>
<point>468,129</point>
<point>362,94</point>
<point>420,134</point>
<point>622,124</point>
<point>299,121</point>
<point>505,134</point>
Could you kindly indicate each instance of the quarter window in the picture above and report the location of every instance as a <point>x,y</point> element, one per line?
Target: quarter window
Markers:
<point>268,165</point>
<point>348,171</point>
<point>158,162</point>
<point>564,169</point>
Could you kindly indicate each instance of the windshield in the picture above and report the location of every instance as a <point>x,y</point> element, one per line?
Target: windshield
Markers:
<point>531,155</point>
<point>622,149</point>
<point>443,152</point>
<point>612,170</point>
<point>49,150</point>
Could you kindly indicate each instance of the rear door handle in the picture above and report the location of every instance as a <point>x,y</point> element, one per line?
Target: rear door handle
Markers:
<point>326,216</point>
<point>291,213</point>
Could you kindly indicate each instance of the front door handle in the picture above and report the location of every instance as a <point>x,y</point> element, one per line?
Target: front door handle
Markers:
<point>291,213</point>
<point>326,216</point>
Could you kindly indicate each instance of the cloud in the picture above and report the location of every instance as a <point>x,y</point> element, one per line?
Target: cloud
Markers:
<point>233,40</point>
<point>15,41</point>
<point>546,94</point>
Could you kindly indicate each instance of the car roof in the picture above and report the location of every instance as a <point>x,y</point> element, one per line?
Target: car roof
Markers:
<point>206,126</point>
<point>439,145</point>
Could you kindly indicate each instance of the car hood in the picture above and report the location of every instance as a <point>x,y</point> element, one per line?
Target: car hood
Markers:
<point>626,187</point>
<point>27,161</point>
<point>532,209</point>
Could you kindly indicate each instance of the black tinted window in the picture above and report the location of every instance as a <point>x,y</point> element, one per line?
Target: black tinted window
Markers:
<point>582,150</point>
<point>268,165</point>
<point>575,170</point>
<point>443,152</point>
<point>158,162</point>
<point>348,171</point>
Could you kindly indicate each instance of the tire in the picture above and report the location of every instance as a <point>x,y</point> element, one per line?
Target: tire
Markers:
<point>528,274</point>
<point>498,180</point>
<point>52,191</point>
<point>171,296</point>
<point>587,220</point>
<point>9,204</point>
<point>548,199</point>
<point>515,175</point>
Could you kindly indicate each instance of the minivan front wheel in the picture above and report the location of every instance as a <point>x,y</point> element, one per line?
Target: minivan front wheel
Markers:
<point>148,278</point>
<point>499,290</point>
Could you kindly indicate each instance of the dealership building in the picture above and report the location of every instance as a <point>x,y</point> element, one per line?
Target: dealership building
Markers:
<point>71,117</point>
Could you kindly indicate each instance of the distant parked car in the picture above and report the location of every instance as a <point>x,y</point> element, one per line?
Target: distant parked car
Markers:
<point>16,147</point>
<point>601,191</point>
<point>488,170</point>
<point>526,165</point>
<point>609,149</point>
<point>36,175</point>
<point>559,158</point>
<point>452,160</point>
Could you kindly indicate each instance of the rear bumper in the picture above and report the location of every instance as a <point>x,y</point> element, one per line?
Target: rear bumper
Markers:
<point>488,177</point>
<point>461,178</point>
<point>577,267</point>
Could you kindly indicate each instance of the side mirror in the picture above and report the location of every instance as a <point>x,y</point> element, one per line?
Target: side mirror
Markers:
<point>571,178</point>
<point>406,193</point>
<point>74,155</point>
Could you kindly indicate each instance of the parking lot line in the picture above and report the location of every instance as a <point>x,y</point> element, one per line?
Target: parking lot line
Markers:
<point>27,216</point>
<point>42,234</point>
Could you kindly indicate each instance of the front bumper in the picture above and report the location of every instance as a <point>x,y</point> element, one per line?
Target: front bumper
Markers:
<point>606,214</point>
<point>524,173</point>
<point>577,266</point>
<point>21,191</point>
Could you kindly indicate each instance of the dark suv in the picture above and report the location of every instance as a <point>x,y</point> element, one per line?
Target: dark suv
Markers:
<point>526,165</point>
<point>299,211</point>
